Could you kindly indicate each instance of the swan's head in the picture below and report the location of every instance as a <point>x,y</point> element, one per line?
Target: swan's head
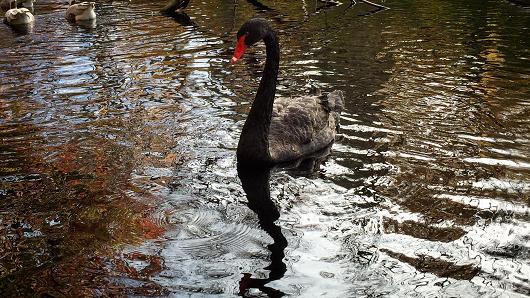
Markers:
<point>251,32</point>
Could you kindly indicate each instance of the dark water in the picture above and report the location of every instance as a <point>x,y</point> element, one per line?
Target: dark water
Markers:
<point>117,153</point>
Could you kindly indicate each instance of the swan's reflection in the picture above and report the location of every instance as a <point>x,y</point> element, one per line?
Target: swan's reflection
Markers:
<point>180,17</point>
<point>256,186</point>
<point>87,24</point>
<point>255,182</point>
<point>22,29</point>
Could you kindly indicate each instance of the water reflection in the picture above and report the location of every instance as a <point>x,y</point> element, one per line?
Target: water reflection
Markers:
<point>23,29</point>
<point>56,221</point>
<point>87,24</point>
<point>117,145</point>
<point>255,183</point>
<point>181,18</point>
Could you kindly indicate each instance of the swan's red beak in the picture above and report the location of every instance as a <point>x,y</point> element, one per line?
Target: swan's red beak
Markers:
<point>240,49</point>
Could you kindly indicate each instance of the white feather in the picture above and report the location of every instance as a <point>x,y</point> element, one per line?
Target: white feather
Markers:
<point>81,12</point>
<point>19,16</point>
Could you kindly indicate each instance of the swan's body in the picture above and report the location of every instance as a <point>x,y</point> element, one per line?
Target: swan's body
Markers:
<point>83,11</point>
<point>19,16</point>
<point>9,4</point>
<point>288,128</point>
<point>303,125</point>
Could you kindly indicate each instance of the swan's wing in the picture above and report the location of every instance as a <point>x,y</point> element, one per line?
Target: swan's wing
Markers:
<point>300,126</point>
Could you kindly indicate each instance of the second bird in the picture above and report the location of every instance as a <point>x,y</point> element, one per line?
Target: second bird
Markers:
<point>83,11</point>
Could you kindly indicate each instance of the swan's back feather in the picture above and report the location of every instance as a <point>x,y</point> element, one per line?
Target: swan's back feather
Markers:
<point>301,126</point>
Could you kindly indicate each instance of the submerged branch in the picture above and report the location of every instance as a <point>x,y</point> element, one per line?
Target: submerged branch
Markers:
<point>374,4</point>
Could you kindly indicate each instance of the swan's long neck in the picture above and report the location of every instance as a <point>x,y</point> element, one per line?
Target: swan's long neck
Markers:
<point>254,140</point>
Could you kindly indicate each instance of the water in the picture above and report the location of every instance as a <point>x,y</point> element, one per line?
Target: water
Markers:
<point>118,172</point>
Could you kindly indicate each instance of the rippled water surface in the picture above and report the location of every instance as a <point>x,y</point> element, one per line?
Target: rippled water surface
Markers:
<point>117,153</point>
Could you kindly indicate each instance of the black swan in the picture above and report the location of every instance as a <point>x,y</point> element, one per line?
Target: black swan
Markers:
<point>284,129</point>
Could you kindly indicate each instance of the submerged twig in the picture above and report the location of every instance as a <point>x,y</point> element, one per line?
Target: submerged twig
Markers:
<point>373,4</point>
<point>378,7</point>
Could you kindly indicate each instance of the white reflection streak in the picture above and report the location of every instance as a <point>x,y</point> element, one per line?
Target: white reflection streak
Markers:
<point>498,162</point>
